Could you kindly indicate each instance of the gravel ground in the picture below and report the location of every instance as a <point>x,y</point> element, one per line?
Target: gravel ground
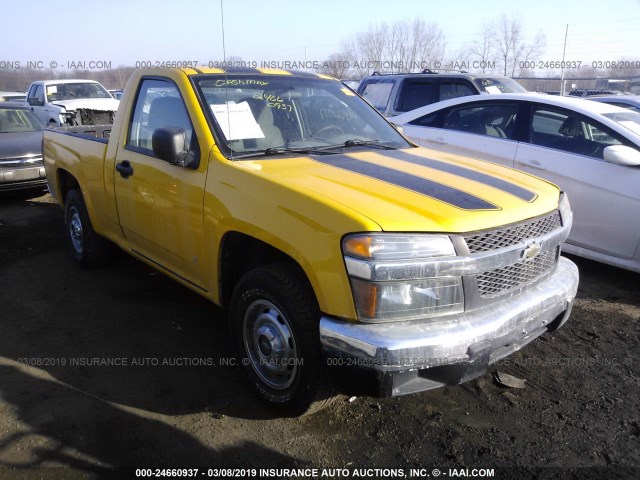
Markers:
<point>172,404</point>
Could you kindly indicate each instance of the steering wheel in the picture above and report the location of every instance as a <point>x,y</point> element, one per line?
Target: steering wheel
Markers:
<point>323,132</point>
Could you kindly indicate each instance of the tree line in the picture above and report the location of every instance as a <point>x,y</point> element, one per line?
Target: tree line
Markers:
<point>500,46</point>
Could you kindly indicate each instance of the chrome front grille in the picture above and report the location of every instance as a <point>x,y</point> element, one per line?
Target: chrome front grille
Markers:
<point>21,162</point>
<point>500,280</point>
<point>507,237</point>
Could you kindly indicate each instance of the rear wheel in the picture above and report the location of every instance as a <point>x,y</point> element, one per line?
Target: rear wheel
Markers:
<point>274,324</point>
<point>87,247</point>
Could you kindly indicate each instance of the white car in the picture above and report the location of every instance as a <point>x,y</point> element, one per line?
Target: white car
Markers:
<point>590,149</point>
<point>12,96</point>
<point>71,102</point>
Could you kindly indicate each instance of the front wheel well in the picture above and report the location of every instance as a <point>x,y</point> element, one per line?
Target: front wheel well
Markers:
<point>241,253</point>
<point>66,183</point>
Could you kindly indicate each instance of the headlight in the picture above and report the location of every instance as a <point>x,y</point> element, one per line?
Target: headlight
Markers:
<point>388,281</point>
<point>398,247</point>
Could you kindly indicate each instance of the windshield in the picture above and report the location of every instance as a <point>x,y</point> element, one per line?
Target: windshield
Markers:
<point>499,85</point>
<point>272,114</point>
<point>629,120</point>
<point>15,120</point>
<point>72,91</point>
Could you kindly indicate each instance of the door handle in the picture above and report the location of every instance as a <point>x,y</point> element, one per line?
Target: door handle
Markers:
<point>125,169</point>
<point>438,140</point>
<point>534,164</point>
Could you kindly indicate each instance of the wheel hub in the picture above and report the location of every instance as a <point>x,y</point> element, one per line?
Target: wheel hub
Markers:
<point>270,344</point>
<point>75,230</point>
<point>269,340</point>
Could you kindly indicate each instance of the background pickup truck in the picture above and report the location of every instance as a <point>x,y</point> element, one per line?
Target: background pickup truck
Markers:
<point>71,102</point>
<point>340,249</point>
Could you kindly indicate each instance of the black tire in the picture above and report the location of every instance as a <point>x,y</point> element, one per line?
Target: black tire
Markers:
<point>274,323</point>
<point>87,248</point>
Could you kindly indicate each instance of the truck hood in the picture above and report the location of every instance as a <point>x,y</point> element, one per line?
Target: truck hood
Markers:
<point>105,104</point>
<point>20,144</point>
<point>414,189</point>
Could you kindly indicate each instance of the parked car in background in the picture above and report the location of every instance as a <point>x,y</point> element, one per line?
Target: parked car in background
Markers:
<point>393,94</point>
<point>590,149</point>
<point>12,96</point>
<point>71,102</point>
<point>630,102</point>
<point>20,148</point>
<point>117,94</point>
<point>583,92</point>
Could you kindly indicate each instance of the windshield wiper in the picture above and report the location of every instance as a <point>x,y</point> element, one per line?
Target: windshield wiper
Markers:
<point>357,142</point>
<point>278,150</point>
<point>318,150</point>
<point>282,150</point>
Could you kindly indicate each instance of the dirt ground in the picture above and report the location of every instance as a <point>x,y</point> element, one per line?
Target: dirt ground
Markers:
<point>580,406</point>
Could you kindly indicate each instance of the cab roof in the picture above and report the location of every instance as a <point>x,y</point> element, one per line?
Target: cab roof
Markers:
<point>253,71</point>
<point>67,80</point>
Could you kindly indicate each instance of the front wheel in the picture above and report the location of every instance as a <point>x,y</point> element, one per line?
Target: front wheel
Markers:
<point>87,247</point>
<point>274,324</point>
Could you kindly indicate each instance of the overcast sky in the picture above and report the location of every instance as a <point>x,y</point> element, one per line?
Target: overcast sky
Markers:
<point>125,31</point>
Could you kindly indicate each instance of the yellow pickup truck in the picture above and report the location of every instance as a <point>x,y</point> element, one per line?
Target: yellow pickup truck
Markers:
<point>341,250</point>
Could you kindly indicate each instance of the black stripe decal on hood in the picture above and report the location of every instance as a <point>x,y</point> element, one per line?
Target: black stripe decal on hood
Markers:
<point>423,186</point>
<point>500,184</point>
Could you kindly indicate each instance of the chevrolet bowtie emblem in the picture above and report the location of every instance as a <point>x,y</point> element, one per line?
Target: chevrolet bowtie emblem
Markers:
<point>530,252</point>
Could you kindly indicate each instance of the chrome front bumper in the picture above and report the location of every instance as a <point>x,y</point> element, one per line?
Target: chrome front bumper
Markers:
<point>413,356</point>
<point>11,178</point>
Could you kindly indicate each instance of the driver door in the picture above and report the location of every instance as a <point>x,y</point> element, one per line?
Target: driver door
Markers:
<point>160,205</point>
<point>36,100</point>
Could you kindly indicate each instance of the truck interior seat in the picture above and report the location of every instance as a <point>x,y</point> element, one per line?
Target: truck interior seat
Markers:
<point>168,112</point>
<point>264,117</point>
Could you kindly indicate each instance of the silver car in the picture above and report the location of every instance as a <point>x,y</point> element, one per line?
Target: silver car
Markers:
<point>21,163</point>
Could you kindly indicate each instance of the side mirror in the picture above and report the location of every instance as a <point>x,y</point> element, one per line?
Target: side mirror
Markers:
<point>168,144</point>
<point>35,102</point>
<point>622,155</point>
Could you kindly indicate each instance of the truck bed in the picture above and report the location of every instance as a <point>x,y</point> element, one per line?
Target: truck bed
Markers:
<point>100,132</point>
<point>80,152</point>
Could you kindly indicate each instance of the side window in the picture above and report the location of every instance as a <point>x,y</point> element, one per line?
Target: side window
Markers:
<point>595,134</point>
<point>32,93</point>
<point>416,94</point>
<point>377,94</point>
<point>493,120</point>
<point>454,90</point>
<point>570,132</point>
<point>159,104</point>
<point>429,120</point>
<point>545,122</point>
<point>39,94</point>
